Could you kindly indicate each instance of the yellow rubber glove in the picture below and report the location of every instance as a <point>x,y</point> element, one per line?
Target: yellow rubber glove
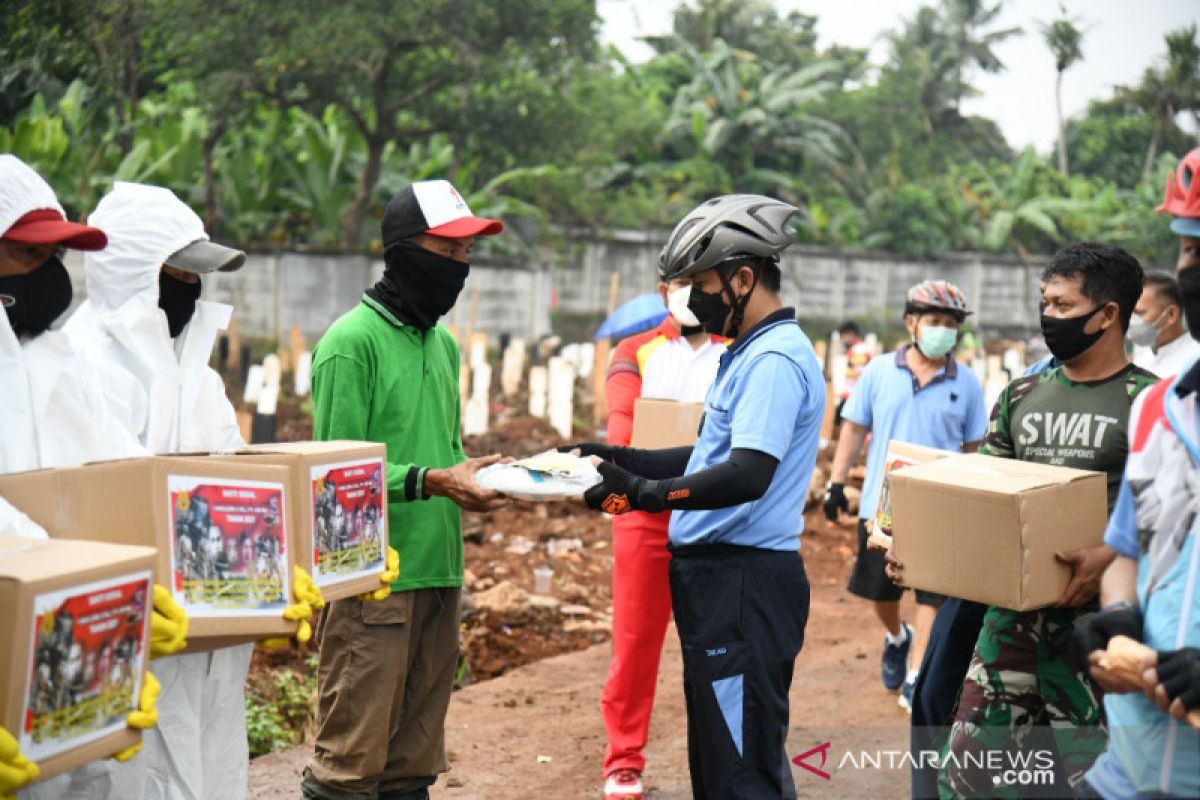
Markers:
<point>386,577</point>
<point>15,769</point>
<point>308,600</point>
<point>168,624</point>
<point>145,717</point>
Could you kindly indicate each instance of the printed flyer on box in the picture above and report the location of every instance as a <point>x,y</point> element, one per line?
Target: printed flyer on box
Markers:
<point>84,677</point>
<point>349,520</point>
<point>228,548</point>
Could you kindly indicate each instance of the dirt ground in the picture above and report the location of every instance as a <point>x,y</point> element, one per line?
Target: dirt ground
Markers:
<point>527,723</point>
<point>536,731</point>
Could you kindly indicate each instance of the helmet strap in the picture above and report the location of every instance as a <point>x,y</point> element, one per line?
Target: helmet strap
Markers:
<point>739,303</point>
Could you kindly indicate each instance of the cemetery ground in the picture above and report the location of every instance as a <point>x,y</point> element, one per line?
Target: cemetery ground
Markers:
<point>527,723</point>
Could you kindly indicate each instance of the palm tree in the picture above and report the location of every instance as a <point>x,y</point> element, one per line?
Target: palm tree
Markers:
<point>950,43</point>
<point>1064,39</point>
<point>1165,92</point>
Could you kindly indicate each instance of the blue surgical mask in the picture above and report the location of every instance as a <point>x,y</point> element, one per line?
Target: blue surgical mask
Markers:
<point>936,341</point>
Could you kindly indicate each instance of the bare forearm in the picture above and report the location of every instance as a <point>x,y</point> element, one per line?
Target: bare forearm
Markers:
<point>849,443</point>
<point>1119,583</point>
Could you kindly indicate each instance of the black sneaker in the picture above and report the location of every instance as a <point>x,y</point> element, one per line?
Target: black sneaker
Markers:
<point>894,666</point>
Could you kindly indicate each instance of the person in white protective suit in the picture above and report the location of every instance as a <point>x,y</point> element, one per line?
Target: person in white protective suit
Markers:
<point>52,407</point>
<point>145,328</point>
<point>144,322</point>
<point>51,402</point>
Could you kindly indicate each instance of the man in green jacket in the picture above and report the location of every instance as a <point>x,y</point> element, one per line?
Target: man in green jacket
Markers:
<point>387,372</point>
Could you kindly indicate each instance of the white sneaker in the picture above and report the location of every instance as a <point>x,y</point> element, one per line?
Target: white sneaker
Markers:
<point>623,784</point>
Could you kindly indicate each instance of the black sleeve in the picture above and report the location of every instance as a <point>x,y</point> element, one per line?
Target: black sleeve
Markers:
<point>652,464</point>
<point>744,478</point>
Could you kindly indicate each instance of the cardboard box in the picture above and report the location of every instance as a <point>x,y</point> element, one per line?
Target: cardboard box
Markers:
<point>986,529</point>
<point>665,423</point>
<point>75,629</point>
<point>899,455</point>
<point>338,493</point>
<point>222,530</point>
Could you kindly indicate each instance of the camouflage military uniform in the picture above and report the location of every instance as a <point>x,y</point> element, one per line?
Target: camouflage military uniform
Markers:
<point>1021,695</point>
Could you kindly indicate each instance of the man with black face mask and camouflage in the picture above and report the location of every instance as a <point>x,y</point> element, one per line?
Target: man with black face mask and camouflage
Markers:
<point>387,372</point>
<point>1023,693</point>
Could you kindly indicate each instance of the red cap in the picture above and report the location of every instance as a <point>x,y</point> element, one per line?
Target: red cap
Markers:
<point>47,226</point>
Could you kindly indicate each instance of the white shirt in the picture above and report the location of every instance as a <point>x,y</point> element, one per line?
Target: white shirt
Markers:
<point>1170,359</point>
<point>673,370</point>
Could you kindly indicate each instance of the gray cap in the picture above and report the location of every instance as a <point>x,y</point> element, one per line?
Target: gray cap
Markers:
<point>203,256</point>
<point>725,228</point>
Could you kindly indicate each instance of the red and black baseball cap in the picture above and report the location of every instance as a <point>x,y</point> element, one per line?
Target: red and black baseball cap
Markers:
<point>433,207</point>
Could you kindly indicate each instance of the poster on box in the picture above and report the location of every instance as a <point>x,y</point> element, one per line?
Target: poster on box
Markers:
<point>228,548</point>
<point>349,520</point>
<point>87,647</point>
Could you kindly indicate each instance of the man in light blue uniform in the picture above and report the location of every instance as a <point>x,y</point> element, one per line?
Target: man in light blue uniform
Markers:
<point>738,586</point>
<point>921,395</point>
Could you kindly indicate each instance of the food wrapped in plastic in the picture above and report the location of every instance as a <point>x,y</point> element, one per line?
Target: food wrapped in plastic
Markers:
<point>549,476</point>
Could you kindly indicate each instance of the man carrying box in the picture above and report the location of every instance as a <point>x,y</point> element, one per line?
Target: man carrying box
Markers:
<point>919,394</point>
<point>676,361</point>
<point>1145,590</point>
<point>144,324</point>
<point>1021,693</point>
<point>52,409</point>
<point>387,372</point>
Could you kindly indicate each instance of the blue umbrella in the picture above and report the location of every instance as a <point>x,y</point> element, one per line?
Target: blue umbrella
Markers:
<point>632,316</point>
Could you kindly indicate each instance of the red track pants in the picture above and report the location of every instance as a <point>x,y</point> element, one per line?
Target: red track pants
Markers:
<point>641,595</point>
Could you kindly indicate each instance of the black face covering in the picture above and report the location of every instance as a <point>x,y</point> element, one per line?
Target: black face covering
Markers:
<point>418,285</point>
<point>1066,338</point>
<point>690,330</point>
<point>34,300</point>
<point>1189,289</point>
<point>710,309</point>
<point>177,299</point>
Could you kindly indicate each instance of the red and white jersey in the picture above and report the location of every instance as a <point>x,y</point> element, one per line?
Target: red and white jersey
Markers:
<point>657,364</point>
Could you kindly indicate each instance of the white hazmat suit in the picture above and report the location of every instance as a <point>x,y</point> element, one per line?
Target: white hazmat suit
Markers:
<point>52,410</point>
<point>171,400</point>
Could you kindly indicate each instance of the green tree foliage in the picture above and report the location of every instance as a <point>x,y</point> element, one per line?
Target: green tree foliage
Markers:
<point>289,125</point>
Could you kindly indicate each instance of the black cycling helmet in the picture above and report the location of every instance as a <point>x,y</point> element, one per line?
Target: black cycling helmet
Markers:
<point>725,228</point>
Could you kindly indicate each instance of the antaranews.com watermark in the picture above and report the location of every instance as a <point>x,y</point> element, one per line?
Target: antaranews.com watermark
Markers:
<point>1006,767</point>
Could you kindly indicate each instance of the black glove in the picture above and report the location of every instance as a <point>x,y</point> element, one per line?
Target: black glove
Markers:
<point>588,449</point>
<point>835,498</point>
<point>1092,633</point>
<point>622,491</point>
<point>1179,674</point>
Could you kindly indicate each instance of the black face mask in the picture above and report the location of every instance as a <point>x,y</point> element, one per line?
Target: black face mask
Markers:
<point>690,330</point>
<point>710,309</point>
<point>1066,338</point>
<point>177,299</point>
<point>418,285</point>
<point>34,300</point>
<point>1189,290</point>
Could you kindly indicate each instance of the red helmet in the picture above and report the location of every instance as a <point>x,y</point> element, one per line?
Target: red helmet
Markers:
<point>936,295</point>
<point>1182,198</point>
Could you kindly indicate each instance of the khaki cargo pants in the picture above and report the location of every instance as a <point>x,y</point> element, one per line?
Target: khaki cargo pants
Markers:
<point>383,687</point>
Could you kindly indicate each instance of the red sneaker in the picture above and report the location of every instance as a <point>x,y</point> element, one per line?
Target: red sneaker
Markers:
<point>623,784</point>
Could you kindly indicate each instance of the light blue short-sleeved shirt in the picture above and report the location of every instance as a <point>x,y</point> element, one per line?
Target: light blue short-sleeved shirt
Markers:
<point>945,413</point>
<point>769,395</point>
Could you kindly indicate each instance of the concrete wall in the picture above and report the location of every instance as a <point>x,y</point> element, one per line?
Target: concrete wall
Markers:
<point>273,292</point>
